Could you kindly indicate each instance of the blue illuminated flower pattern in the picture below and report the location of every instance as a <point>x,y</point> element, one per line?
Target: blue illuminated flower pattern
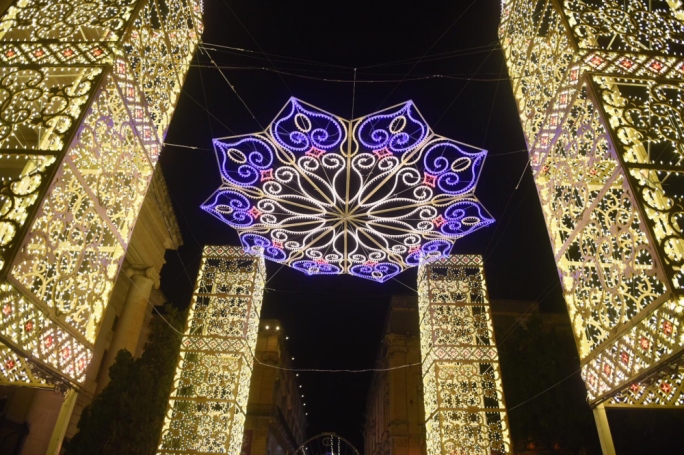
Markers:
<point>393,195</point>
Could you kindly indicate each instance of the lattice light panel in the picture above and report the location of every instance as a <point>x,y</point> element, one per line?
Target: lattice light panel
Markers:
<point>599,88</point>
<point>465,410</point>
<point>87,90</point>
<point>207,407</point>
<point>369,197</point>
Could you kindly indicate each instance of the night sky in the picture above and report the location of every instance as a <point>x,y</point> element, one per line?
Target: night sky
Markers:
<point>336,322</point>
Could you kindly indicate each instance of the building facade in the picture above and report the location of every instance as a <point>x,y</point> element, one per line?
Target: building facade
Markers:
<point>30,414</point>
<point>276,421</point>
<point>395,417</point>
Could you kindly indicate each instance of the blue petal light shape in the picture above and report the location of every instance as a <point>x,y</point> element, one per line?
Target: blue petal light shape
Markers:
<point>465,217</point>
<point>396,129</point>
<point>298,129</point>
<point>379,272</point>
<point>242,160</point>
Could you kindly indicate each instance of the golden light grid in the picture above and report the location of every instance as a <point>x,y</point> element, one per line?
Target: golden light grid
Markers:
<point>465,409</point>
<point>208,401</point>
<point>598,86</point>
<point>88,90</point>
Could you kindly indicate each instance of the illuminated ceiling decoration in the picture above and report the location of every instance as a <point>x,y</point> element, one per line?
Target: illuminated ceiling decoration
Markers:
<point>88,88</point>
<point>599,86</point>
<point>368,197</point>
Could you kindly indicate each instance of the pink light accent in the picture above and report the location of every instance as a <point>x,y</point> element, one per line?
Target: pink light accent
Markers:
<point>382,153</point>
<point>314,152</point>
<point>255,212</point>
<point>429,180</point>
<point>267,175</point>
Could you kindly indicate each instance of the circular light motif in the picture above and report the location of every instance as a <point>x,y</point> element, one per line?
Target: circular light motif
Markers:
<point>393,195</point>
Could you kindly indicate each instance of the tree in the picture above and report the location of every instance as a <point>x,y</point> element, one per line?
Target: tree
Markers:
<point>537,367</point>
<point>126,418</point>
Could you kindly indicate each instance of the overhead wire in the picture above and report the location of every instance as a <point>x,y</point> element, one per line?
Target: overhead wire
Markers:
<point>209,112</point>
<point>503,214</point>
<point>256,42</point>
<point>439,56</point>
<point>296,59</point>
<point>232,87</point>
<point>545,390</point>
<point>425,54</point>
<point>301,61</point>
<point>462,90</point>
<point>360,81</point>
<point>522,199</point>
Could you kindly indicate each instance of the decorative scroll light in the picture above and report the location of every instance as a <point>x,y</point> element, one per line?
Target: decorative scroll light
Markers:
<point>600,91</point>
<point>369,197</point>
<point>465,410</point>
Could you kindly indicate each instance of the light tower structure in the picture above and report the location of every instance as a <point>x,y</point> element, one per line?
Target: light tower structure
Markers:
<point>599,85</point>
<point>88,89</point>
<point>208,403</point>
<point>465,410</point>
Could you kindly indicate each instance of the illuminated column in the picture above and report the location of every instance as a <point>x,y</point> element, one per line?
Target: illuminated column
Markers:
<point>88,90</point>
<point>464,403</point>
<point>132,316</point>
<point>599,86</point>
<point>206,412</point>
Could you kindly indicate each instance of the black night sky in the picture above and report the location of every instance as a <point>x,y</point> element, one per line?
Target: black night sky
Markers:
<point>336,322</point>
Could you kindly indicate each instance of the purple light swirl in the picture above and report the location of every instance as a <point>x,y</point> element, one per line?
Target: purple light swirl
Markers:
<point>429,252</point>
<point>314,268</point>
<point>299,130</point>
<point>457,171</point>
<point>230,207</point>
<point>260,245</point>
<point>464,217</point>
<point>400,130</point>
<point>252,154</point>
<point>380,272</point>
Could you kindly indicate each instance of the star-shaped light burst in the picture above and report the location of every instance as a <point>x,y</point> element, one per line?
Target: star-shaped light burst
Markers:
<point>369,197</point>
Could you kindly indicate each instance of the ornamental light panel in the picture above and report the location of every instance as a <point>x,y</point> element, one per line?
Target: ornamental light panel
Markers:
<point>599,86</point>
<point>88,89</point>
<point>465,410</point>
<point>369,197</point>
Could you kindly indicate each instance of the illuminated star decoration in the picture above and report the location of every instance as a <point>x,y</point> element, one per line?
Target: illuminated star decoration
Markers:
<point>388,196</point>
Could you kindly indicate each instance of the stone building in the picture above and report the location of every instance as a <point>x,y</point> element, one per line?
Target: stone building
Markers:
<point>276,421</point>
<point>31,416</point>
<point>394,410</point>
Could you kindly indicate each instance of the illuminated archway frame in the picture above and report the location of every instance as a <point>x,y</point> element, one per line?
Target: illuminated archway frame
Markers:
<point>390,196</point>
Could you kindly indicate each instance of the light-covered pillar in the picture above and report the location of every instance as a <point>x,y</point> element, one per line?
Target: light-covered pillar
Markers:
<point>207,406</point>
<point>127,333</point>
<point>465,411</point>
